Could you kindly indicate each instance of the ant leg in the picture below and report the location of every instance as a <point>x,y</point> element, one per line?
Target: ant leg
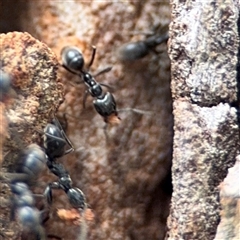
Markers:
<point>13,177</point>
<point>48,191</point>
<point>136,111</point>
<point>92,58</point>
<point>107,69</point>
<point>48,194</point>
<point>85,98</point>
<point>106,133</point>
<point>107,86</point>
<point>3,235</point>
<point>40,233</point>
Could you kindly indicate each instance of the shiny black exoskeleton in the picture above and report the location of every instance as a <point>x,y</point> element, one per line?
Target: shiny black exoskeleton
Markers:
<point>31,162</point>
<point>24,211</point>
<point>104,102</point>
<point>55,141</point>
<point>75,195</point>
<point>135,50</point>
<point>5,83</point>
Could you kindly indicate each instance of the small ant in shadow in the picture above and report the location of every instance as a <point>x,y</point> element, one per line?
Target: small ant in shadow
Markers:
<point>135,50</point>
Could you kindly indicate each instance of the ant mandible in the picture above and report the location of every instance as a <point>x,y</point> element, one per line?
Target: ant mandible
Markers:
<point>104,102</point>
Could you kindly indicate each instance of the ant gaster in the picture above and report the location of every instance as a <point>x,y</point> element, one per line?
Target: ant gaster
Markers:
<point>31,162</point>
<point>103,102</point>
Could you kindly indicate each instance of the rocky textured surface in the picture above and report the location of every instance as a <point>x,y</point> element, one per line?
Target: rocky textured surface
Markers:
<point>122,178</point>
<point>203,48</point>
<point>35,95</point>
<point>230,203</point>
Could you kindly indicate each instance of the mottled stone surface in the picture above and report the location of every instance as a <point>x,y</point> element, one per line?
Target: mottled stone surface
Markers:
<point>122,178</point>
<point>202,154</point>
<point>203,48</point>
<point>36,93</point>
<point>229,227</point>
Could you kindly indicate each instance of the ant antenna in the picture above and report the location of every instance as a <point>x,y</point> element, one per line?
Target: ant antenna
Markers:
<point>92,58</point>
<point>136,111</point>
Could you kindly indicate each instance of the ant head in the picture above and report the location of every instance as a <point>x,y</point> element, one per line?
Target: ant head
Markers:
<point>72,59</point>
<point>54,141</point>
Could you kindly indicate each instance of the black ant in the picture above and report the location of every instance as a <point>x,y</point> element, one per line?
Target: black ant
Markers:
<point>104,102</point>
<point>54,142</point>
<point>24,210</point>
<point>29,164</point>
<point>135,50</point>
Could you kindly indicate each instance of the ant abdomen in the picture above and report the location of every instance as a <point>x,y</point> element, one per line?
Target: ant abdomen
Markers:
<point>105,106</point>
<point>31,161</point>
<point>76,198</point>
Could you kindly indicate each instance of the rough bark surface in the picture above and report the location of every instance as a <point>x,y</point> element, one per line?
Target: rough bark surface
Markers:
<point>203,48</point>
<point>122,178</point>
